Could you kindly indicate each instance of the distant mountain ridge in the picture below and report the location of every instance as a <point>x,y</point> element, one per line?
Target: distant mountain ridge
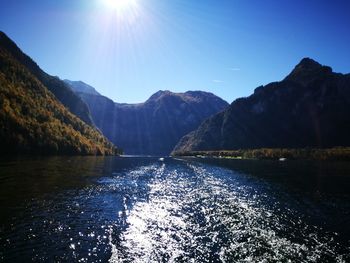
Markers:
<point>32,119</point>
<point>60,89</point>
<point>80,86</point>
<point>155,126</point>
<point>309,108</point>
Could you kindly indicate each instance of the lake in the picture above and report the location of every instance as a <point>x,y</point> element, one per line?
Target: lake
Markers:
<point>143,209</point>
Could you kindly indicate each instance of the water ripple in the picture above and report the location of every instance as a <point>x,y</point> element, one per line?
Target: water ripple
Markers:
<point>193,215</point>
<point>149,210</point>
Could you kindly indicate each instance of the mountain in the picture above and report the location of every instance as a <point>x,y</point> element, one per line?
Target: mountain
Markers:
<point>155,126</point>
<point>32,119</point>
<point>81,87</point>
<point>60,89</point>
<point>309,108</point>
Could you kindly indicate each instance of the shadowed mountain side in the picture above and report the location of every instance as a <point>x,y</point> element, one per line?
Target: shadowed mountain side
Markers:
<point>153,127</point>
<point>309,108</point>
<point>60,89</point>
<point>33,121</point>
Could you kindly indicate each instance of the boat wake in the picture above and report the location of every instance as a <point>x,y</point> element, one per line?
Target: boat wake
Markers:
<point>195,214</point>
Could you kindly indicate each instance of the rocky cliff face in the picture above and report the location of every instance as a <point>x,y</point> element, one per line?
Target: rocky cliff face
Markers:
<point>309,108</point>
<point>155,126</point>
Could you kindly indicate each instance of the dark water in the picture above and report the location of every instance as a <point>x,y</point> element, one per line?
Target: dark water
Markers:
<point>95,209</point>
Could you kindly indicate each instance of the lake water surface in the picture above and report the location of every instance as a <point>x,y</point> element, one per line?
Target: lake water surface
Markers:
<point>137,209</point>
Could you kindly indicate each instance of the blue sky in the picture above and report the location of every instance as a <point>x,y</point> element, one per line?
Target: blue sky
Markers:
<point>225,47</point>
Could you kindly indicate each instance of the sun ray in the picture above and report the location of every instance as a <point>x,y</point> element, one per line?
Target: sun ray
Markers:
<point>120,5</point>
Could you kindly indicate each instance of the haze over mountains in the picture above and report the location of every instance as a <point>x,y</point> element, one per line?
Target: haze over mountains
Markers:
<point>155,126</point>
<point>81,87</point>
<point>36,110</point>
<point>309,108</point>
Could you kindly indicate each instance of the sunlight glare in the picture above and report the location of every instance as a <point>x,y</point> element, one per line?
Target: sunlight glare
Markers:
<point>120,5</point>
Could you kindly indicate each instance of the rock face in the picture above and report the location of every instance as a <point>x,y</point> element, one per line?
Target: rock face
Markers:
<point>309,108</point>
<point>60,89</point>
<point>32,119</point>
<point>155,126</point>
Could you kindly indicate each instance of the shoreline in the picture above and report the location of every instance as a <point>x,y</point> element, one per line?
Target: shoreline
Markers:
<point>282,154</point>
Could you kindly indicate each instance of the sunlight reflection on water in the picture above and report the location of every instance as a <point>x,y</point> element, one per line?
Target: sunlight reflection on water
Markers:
<point>147,210</point>
<point>192,215</point>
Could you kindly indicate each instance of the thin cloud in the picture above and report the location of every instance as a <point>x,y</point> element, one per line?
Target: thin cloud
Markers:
<point>218,81</point>
<point>234,69</point>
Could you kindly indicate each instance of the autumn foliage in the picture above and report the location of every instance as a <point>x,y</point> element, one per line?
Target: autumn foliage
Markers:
<point>32,120</point>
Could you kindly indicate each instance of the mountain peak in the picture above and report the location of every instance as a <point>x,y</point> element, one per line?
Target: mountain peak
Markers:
<point>155,126</point>
<point>159,94</point>
<point>309,109</point>
<point>198,93</point>
<point>307,70</point>
<point>308,63</point>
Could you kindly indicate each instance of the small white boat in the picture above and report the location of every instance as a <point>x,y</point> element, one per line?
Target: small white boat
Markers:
<point>282,159</point>
<point>161,159</point>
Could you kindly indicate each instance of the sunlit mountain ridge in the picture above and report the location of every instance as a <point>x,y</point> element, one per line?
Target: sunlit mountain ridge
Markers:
<point>37,111</point>
<point>61,90</point>
<point>80,86</point>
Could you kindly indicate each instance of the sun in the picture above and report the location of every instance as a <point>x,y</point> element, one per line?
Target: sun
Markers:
<point>120,5</point>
